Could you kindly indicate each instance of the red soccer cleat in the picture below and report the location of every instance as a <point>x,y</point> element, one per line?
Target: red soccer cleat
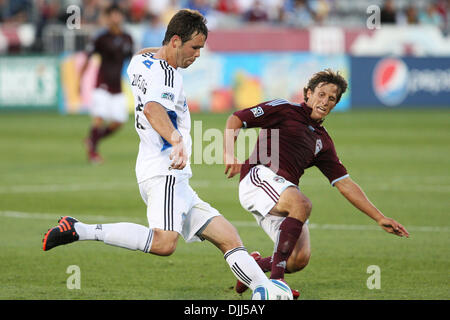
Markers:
<point>93,156</point>
<point>295,293</point>
<point>241,287</point>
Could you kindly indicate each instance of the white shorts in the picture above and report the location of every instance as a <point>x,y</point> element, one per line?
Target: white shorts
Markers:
<point>108,106</point>
<point>259,192</point>
<point>173,205</point>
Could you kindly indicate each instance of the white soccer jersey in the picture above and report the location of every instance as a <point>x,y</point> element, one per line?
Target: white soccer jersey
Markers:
<point>155,80</point>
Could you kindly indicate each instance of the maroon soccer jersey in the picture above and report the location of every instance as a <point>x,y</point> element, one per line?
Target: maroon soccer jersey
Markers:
<point>303,142</point>
<point>113,49</point>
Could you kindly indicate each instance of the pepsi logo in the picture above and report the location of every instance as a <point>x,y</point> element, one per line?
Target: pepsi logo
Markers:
<point>390,81</point>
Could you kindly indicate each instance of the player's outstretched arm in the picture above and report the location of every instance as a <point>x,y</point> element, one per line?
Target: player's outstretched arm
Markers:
<point>232,128</point>
<point>353,193</point>
<point>157,116</point>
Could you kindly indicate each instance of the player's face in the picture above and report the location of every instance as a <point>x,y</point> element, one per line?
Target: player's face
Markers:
<point>322,100</point>
<point>115,18</point>
<point>189,51</point>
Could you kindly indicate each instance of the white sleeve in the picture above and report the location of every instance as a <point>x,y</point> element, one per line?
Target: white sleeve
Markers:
<point>161,84</point>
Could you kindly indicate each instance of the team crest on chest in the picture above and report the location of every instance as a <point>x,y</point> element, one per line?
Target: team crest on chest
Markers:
<point>279,179</point>
<point>318,146</point>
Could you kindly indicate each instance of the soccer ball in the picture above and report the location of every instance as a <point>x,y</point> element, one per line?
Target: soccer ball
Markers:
<point>272,290</point>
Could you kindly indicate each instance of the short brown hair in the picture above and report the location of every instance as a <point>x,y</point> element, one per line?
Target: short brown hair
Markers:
<point>185,23</point>
<point>326,76</point>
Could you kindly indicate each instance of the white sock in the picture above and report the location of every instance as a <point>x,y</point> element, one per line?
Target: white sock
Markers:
<point>245,268</point>
<point>123,234</point>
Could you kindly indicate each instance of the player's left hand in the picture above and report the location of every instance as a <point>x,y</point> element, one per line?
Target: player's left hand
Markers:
<point>232,167</point>
<point>392,226</point>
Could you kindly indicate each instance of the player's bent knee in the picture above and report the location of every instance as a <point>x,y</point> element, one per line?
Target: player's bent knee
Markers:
<point>164,242</point>
<point>307,205</point>
<point>299,263</point>
<point>166,250</point>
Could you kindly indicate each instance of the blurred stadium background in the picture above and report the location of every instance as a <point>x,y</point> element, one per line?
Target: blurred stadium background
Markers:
<point>238,68</point>
<point>392,131</point>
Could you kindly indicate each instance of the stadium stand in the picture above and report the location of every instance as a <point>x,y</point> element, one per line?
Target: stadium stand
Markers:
<point>39,26</point>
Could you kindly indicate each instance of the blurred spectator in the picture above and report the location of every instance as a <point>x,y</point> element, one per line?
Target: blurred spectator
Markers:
<point>431,16</point>
<point>17,11</point>
<point>256,13</point>
<point>301,15</point>
<point>47,12</point>
<point>321,9</point>
<point>443,7</point>
<point>244,5</point>
<point>388,13</point>
<point>219,14</point>
<point>411,15</point>
<point>90,12</point>
<point>154,32</point>
<point>202,6</point>
<point>168,10</point>
<point>157,7</point>
<point>275,10</point>
<point>138,10</point>
<point>227,6</point>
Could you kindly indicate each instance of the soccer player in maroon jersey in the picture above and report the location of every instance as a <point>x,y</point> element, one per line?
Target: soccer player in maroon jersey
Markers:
<point>294,140</point>
<point>109,109</point>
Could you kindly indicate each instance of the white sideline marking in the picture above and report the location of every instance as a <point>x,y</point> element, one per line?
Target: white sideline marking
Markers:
<point>100,218</point>
<point>64,187</point>
<point>49,188</point>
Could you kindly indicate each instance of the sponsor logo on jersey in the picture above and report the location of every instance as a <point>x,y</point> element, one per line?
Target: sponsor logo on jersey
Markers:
<point>168,95</point>
<point>257,111</point>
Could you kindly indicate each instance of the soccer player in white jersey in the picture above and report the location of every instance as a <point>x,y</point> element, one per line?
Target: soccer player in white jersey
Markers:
<point>163,123</point>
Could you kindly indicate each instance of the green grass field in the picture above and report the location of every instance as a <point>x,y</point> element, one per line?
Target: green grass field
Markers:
<point>400,158</point>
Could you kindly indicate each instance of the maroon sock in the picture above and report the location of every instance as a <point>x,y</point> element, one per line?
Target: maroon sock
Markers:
<point>94,136</point>
<point>105,132</point>
<point>97,134</point>
<point>265,264</point>
<point>289,233</point>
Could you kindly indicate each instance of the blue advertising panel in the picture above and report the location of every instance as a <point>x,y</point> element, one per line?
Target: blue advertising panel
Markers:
<point>400,82</point>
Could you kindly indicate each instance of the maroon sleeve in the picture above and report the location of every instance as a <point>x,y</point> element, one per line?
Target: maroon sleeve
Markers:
<point>130,48</point>
<point>263,115</point>
<point>93,46</point>
<point>330,165</point>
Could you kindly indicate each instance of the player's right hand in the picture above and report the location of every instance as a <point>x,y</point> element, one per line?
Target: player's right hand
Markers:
<point>178,156</point>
